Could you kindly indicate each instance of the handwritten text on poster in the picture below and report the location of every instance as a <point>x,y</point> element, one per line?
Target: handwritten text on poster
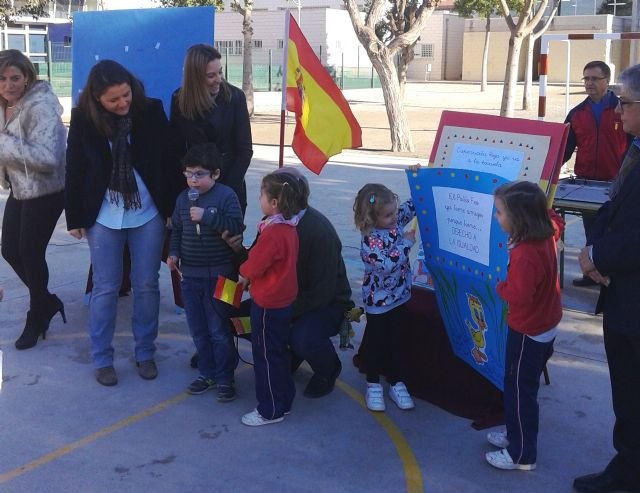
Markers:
<point>464,222</point>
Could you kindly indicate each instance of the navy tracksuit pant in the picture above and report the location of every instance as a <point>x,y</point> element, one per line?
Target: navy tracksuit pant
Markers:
<point>525,360</point>
<point>270,333</point>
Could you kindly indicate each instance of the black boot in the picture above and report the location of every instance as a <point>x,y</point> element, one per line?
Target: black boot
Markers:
<point>31,332</point>
<point>49,309</point>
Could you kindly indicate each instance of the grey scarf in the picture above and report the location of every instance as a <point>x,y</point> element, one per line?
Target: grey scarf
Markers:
<point>123,181</point>
<point>628,163</point>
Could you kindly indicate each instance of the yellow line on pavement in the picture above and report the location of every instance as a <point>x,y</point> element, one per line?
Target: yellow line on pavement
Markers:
<point>409,463</point>
<point>56,454</point>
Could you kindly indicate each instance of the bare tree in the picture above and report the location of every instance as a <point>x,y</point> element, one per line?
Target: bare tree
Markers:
<point>527,21</point>
<point>246,9</point>
<point>381,54</point>
<point>531,40</point>
<point>33,8</point>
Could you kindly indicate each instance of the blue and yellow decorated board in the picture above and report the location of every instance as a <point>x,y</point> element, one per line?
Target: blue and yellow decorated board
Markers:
<point>466,253</point>
<point>150,43</point>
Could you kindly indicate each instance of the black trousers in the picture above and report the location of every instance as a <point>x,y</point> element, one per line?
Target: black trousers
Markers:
<point>623,356</point>
<point>27,227</point>
<point>382,356</point>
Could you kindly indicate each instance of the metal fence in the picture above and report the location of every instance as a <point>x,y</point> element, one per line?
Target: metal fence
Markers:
<point>267,70</point>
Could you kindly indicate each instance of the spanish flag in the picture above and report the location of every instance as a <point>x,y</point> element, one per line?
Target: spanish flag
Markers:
<point>324,122</point>
<point>228,291</point>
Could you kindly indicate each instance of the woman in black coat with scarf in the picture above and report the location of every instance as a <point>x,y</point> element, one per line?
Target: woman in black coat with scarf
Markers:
<point>120,189</point>
<point>209,109</point>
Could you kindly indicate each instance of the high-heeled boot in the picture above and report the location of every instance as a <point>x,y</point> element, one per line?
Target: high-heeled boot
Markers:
<point>32,330</point>
<point>49,309</point>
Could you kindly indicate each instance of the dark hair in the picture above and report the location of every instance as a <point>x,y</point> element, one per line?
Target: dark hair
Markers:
<point>300,183</point>
<point>280,186</point>
<point>370,200</point>
<point>604,68</point>
<point>205,156</point>
<point>17,59</point>
<point>103,75</point>
<point>526,207</point>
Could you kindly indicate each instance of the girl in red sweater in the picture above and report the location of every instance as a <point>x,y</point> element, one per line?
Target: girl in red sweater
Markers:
<point>532,291</point>
<point>270,272</point>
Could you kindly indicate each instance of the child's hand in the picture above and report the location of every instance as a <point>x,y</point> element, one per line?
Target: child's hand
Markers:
<point>244,282</point>
<point>196,214</point>
<point>172,263</point>
<point>414,167</point>
<point>410,235</point>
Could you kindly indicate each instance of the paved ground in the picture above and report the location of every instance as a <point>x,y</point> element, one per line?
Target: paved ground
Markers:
<point>62,432</point>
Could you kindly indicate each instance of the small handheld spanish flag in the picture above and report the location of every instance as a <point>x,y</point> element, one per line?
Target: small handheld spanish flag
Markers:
<point>242,325</point>
<point>228,291</point>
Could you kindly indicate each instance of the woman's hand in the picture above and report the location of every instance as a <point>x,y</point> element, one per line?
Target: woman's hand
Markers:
<point>78,234</point>
<point>235,242</point>
<point>414,167</point>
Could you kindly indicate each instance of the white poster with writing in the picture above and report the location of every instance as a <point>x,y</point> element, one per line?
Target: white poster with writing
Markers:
<point>464,222</point>
<point>509,155</point>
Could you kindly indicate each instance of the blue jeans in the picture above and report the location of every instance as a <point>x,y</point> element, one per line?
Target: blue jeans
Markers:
<point>106,246</point>
<point>525,360</point>
<point>270,332</point>
<point>310,339</point>
<point>208,321</point>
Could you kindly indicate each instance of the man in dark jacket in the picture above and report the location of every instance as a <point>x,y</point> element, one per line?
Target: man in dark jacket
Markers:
<point>612,258</point>
<point>596,131</point>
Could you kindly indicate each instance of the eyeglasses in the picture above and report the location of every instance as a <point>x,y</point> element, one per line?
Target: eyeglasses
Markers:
<point>196,174</point>
<point>593,79</point>
<point>622,103</point>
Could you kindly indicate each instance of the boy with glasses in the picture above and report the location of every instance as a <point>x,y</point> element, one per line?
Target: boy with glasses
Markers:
<point>596,131</point>
<point>202,213</point>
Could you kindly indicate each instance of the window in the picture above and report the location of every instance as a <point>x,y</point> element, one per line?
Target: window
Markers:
<point>227,47</point>
<point>426,51</point>
<point>16,42</point>
<point>257,43</point>
<point>37,43</point>
<point>280,44</point>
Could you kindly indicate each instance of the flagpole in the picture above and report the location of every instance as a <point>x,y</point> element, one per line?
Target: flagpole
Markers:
<point>283,86</point>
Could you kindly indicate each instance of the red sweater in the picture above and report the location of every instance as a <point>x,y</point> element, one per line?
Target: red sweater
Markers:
<point>271,267</point>
<point>532,287</point>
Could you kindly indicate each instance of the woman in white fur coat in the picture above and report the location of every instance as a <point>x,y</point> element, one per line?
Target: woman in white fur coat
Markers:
<point>32,163</point>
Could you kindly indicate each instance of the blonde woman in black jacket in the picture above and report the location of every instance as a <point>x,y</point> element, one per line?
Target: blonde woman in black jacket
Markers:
<point>207,109</point>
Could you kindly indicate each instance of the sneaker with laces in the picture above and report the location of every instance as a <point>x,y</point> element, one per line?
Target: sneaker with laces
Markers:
<point>226,393</point>
<point>399,394</point>
<point>254,418</point>
<point>498,439</point>
<point>502,460</point>
<point>374,397</point>
<point>200,385</point>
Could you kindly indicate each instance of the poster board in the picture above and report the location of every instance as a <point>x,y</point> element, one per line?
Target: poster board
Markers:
<point>465,251</point>
<point>150,43</point>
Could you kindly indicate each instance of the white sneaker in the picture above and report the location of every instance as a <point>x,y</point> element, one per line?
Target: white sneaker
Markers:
<point>498,439</point>
<point>375,397</point>
<point>254,418</point>
<point>502,460</point>
<point>399,394</point>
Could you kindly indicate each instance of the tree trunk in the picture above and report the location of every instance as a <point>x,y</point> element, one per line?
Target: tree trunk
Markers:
<point>406,57</point>
<point>528,73</point>
<point>511,75</point>
<point>247,58</point>
<point>401,140</point>
<point>485,54</point>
